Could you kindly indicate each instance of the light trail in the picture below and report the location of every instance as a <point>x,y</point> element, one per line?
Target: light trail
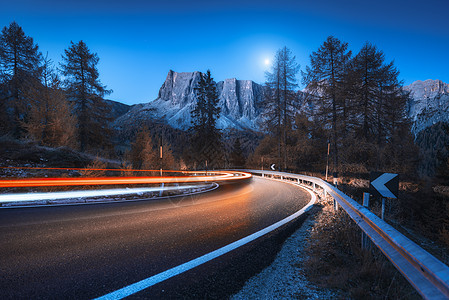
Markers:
<point>35,182</point>
<point>6,198</point>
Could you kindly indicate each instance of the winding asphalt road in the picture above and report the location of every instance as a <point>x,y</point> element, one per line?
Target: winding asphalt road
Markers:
<point>86,251</point>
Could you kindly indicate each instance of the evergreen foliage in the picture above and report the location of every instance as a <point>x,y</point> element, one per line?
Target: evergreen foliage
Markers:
<point>280,100</point>
<point>360,99</point>
<point>205,136</point>
<point>237,159</point>
<point>325,80</point>
<point>433,144</point>
<point>79,69</point>
<point>19,67</point>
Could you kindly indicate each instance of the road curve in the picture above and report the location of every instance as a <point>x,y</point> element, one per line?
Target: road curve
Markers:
<point>87,251</point>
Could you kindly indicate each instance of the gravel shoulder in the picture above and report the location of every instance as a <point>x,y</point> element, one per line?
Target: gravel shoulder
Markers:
<point>285,277</point>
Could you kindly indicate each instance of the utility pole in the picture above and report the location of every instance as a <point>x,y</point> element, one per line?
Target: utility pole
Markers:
<point>161,153</point>
<point>327,161</point>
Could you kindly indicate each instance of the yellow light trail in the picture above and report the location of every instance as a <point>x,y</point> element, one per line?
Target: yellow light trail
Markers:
<point>34,182</point>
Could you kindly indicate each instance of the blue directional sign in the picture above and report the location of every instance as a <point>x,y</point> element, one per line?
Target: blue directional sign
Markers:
<point>384,184</point>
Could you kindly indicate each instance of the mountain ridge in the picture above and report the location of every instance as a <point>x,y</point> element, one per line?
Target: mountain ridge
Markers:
<point>240,102</point>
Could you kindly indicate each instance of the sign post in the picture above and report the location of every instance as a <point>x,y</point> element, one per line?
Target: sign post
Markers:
<point>327,160</point>
<point>384,185</point>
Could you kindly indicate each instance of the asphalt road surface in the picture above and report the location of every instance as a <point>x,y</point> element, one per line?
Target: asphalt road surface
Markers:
<point>86,251</point>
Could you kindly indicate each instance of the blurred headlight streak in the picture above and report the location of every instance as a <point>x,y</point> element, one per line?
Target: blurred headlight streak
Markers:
<point>95,193</point>
<point>216,176</point>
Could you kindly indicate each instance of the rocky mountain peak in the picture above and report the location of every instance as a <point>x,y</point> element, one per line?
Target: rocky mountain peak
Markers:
<point>179,88</point>
<point>239,101</point>
<point>427,89</point>
<point>429,103</point>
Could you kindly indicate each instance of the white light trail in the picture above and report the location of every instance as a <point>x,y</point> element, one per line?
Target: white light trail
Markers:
<point>6,198</point>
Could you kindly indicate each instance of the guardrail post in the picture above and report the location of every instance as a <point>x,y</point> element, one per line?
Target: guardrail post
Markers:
<point>282,177</point>
<point>365,239</point>
<point>314,189</point>
<point>335,205</point>
<point>162,190</point>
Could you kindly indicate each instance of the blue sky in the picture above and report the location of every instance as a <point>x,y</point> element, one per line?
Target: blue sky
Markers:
<point>138,42</point>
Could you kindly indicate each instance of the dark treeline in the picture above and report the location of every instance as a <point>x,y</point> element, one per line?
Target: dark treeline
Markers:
<point>354,104</point>
<point>54,106</point>
<point>64,105</point>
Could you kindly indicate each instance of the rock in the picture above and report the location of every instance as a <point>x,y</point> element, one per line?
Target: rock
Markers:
<point>429,103</point>
<point>239,101</point>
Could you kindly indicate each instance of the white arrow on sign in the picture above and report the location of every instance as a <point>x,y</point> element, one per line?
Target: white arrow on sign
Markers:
<point>272,167</point>
<point>379,184</point>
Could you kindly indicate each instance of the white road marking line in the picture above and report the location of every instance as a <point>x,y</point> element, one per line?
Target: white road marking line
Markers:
<point>150,281</point>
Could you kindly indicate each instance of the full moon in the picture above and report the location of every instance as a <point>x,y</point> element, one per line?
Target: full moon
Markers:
<point>267,61</point>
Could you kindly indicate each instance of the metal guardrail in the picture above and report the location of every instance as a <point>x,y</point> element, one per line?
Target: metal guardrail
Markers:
<point>428,275</point>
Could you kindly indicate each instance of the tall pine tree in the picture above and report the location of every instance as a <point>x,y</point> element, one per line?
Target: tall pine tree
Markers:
<point>380,106</point>
<point>205,136</point>
<point>19,67</point>
<point>325,81</point>
<point>84,87</point>
<point>280,100</point>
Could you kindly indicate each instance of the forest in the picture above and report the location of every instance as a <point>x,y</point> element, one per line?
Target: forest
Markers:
<point>350,120</point>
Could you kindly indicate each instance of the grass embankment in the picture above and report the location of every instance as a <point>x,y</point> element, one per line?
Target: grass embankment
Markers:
<point>336,260</point>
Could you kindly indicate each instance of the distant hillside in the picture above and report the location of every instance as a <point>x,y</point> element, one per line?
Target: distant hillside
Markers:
<point>117,108</point>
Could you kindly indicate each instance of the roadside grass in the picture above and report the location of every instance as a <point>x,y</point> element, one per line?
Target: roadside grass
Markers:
<point>336,260</point>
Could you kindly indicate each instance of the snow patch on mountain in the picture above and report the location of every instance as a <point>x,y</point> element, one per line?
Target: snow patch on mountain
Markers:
<point>239,101</point>
<point>428,104</point>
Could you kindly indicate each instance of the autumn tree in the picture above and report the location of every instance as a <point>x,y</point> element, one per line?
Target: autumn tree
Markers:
<point>280,100</point>
<point>143,153</point>
<point>168,161</point>
<point>50,120</point>
<point>19,67</point>
<point>83,85</point>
